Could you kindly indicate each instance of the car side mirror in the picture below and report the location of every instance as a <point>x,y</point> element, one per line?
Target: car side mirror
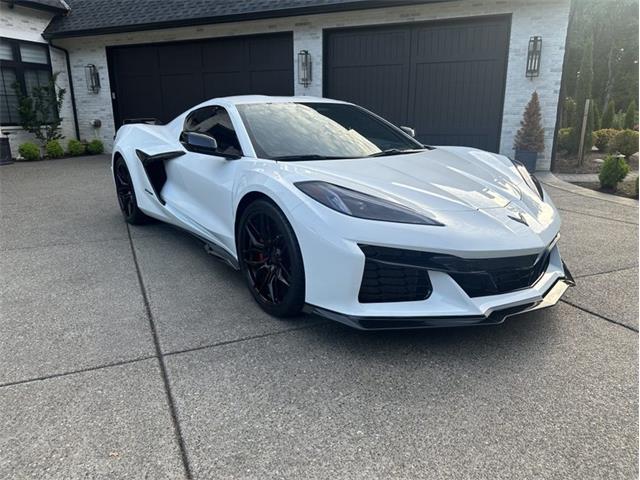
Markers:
<point>409,131</point>
<point>199,142</point>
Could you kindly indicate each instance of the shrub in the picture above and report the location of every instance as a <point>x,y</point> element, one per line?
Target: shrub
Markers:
<point>602,138</point>
<point>54,149</point>
<point>625,142</point>
<point>29,151</point>
<point>564,139</point>
<point>630,115</point>
<point>75,148</point>
<point>530,137</point>
<point>607,115</point>
<point>613,171</point>
<point>94,147</point>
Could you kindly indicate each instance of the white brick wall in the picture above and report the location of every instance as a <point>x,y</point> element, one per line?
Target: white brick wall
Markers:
<point>28,24</point>
<point>547,18</point>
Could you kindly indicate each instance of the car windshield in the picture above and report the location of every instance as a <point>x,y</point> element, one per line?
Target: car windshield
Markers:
<point>316,131</point>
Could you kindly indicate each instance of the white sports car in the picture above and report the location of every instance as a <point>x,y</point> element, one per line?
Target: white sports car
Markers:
<point>327,208</point>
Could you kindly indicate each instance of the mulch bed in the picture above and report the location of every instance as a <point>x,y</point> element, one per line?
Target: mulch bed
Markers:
<point>625,189</point>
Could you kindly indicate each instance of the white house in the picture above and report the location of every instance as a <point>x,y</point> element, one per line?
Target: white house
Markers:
<point>456,71</point>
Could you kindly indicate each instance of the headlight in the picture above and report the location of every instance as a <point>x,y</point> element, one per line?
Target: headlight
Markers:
<point>531,181</point>
<point>361,205</point>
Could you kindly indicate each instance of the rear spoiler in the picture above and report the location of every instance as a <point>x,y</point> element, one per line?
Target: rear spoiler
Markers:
<point>148,121</point>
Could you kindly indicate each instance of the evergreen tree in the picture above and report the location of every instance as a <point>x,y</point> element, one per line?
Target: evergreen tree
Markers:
<point>630,116</point>
<point>583,92</point>
<point>530,136</point>
<point>608,115</point>
<point>597,119</point>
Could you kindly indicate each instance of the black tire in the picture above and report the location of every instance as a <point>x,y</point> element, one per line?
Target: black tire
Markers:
<point>270,259</point>
<point>126,194</point>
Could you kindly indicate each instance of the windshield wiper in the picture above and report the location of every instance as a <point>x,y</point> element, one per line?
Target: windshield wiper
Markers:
<point>396,151</point>
<point>312,156</point>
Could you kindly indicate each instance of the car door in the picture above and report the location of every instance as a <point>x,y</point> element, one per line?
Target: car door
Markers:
<point>201,184</point>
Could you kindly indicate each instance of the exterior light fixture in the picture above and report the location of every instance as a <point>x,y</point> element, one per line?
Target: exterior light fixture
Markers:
<point>92,78</point>
<point>304,68</point>
<point>533,57</point>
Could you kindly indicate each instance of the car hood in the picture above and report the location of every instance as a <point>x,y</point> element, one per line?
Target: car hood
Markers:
<point>439,180</point>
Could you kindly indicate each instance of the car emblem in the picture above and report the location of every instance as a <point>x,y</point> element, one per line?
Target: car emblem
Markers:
<point>520,219</point>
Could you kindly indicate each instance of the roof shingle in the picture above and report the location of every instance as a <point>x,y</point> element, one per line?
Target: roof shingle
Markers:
<point>95,17</point>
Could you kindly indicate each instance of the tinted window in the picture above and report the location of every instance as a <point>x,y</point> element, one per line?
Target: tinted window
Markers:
<point>323,129</point>
<point>215,122</point>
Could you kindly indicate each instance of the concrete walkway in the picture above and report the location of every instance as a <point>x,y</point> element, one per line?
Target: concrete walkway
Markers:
<point>131,353</point>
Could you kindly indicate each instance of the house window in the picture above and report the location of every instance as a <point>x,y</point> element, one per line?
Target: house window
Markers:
<point>26,64</point>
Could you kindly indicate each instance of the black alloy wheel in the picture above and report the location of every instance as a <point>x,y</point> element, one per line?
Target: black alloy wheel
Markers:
<point>270,259</point>
<point>126,194</point>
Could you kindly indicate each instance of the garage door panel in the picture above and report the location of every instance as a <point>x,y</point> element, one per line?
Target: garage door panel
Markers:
<point>270,82</point>
<point>223,55</point>
<point>164,80</point>
<point>224,84</point>
<point>452,84</point>
<point>141,99</point>
<point>369,47</point>
<point>276,54</point>
<point>180,90</point>
<point>180,58</point>
<point>370,87</point>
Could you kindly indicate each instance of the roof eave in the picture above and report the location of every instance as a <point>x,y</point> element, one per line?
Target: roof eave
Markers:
<point>37,6</point>
<point>243,17</point>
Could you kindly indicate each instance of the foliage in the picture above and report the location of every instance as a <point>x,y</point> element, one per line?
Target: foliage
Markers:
<point>564,139</point>
<point>54,149</point>
<point>607,115</point>
<point>602,138</point>
<point>613,27</point>
<point>630,115</point>
<point>613,171</point>
<point>530,137</point>
<point>39,110</point>
<point>625,142</point>
<point>75,148</point>
<point>29,151</point>
<point>569,112</point>
<point>597,118</point>
<point>583,92</point>
<point>95,147</point>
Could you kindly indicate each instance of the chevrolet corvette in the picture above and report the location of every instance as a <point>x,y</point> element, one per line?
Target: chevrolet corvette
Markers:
<point>326,208</point>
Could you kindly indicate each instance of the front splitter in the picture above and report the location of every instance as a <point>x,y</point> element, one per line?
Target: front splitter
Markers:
<point>496,317</point>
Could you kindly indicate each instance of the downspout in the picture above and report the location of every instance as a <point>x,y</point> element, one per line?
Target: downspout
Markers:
<point>71,92</point>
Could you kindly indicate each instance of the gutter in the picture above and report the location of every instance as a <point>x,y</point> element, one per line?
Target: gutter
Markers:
<point>71,91</point>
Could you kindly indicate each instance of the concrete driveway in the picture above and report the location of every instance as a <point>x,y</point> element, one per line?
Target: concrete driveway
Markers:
<point>131,353</point>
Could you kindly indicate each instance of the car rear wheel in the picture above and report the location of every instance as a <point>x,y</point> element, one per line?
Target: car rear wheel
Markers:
<point>270,259</point>
<point>127,195</point>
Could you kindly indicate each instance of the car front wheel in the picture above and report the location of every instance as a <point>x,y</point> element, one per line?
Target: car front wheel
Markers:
<point>270,259</point>
<point>127,194</point>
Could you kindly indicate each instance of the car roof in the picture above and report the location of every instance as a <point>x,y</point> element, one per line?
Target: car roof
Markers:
<point>243,99</point>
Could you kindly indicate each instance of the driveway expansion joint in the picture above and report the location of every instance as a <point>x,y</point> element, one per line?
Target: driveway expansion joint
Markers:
<point>163,369</point>
<point>591,312</point>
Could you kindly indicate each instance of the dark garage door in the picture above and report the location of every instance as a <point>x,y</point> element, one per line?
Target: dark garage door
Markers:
<point>163,80</point>
<point>445,79</point>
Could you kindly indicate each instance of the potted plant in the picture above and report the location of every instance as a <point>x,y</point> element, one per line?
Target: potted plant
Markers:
<point>529,140</point>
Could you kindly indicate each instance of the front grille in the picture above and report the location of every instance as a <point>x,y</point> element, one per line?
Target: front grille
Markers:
<point>477,277</point>
<point>393,283</point>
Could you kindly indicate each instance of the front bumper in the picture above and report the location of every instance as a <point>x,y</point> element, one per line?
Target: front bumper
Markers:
<point>495,317</point>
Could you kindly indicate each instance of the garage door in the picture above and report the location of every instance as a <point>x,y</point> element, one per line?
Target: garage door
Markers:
<point>445,79</point>
<point>163,80</point>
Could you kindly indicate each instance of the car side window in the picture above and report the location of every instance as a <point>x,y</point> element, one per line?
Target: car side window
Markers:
<point>215,122</point>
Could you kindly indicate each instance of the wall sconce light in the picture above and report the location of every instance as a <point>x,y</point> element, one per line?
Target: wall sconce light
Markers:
<point>304,68</point>
<point>533,57</point>
<point>92,78</point>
